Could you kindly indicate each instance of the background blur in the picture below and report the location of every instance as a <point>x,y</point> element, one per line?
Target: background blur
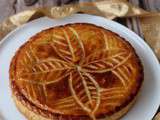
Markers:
<point>9,7</point>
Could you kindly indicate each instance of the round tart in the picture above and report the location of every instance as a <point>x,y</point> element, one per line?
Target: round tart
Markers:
<point>76,71</point>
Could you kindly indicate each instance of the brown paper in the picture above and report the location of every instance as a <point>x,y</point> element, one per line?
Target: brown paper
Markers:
<point>151,31</point>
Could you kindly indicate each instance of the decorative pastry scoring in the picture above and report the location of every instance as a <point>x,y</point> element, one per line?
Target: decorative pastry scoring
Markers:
<point>84,72</point>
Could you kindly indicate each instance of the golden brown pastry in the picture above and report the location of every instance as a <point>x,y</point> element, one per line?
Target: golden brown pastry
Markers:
<point>76,71</point>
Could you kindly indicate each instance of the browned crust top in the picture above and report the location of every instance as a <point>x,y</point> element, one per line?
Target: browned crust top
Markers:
<point>49,114</point>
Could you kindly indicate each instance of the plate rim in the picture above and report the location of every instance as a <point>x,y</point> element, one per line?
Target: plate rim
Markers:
<point>154,58</point>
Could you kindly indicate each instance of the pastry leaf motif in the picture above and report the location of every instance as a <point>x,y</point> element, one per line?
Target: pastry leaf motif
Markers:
<point>43,68</point>
<point>101,61</point>
<point>72,63</point>
<point>85,91</point>
<point>71,49</point>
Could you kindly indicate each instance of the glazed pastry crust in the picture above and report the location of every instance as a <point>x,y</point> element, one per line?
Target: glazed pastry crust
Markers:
<point>30,115</point>
<point>34,105</point>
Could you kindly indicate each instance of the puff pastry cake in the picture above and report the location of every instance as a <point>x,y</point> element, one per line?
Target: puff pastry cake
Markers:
<point>75,72</point>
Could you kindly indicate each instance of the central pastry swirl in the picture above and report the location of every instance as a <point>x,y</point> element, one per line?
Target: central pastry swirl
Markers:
<point>80,70</point>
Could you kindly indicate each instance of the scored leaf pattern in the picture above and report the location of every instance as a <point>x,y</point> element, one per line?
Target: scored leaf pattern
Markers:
<point>72,49</point>
<point>99,62</point>
<point>73,64</point>
<point>89,96</point>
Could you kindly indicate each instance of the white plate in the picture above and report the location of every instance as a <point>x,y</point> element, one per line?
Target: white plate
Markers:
<point>149,99</point>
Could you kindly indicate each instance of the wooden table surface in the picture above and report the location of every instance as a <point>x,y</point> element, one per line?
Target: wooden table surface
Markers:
<point>10,7</point>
